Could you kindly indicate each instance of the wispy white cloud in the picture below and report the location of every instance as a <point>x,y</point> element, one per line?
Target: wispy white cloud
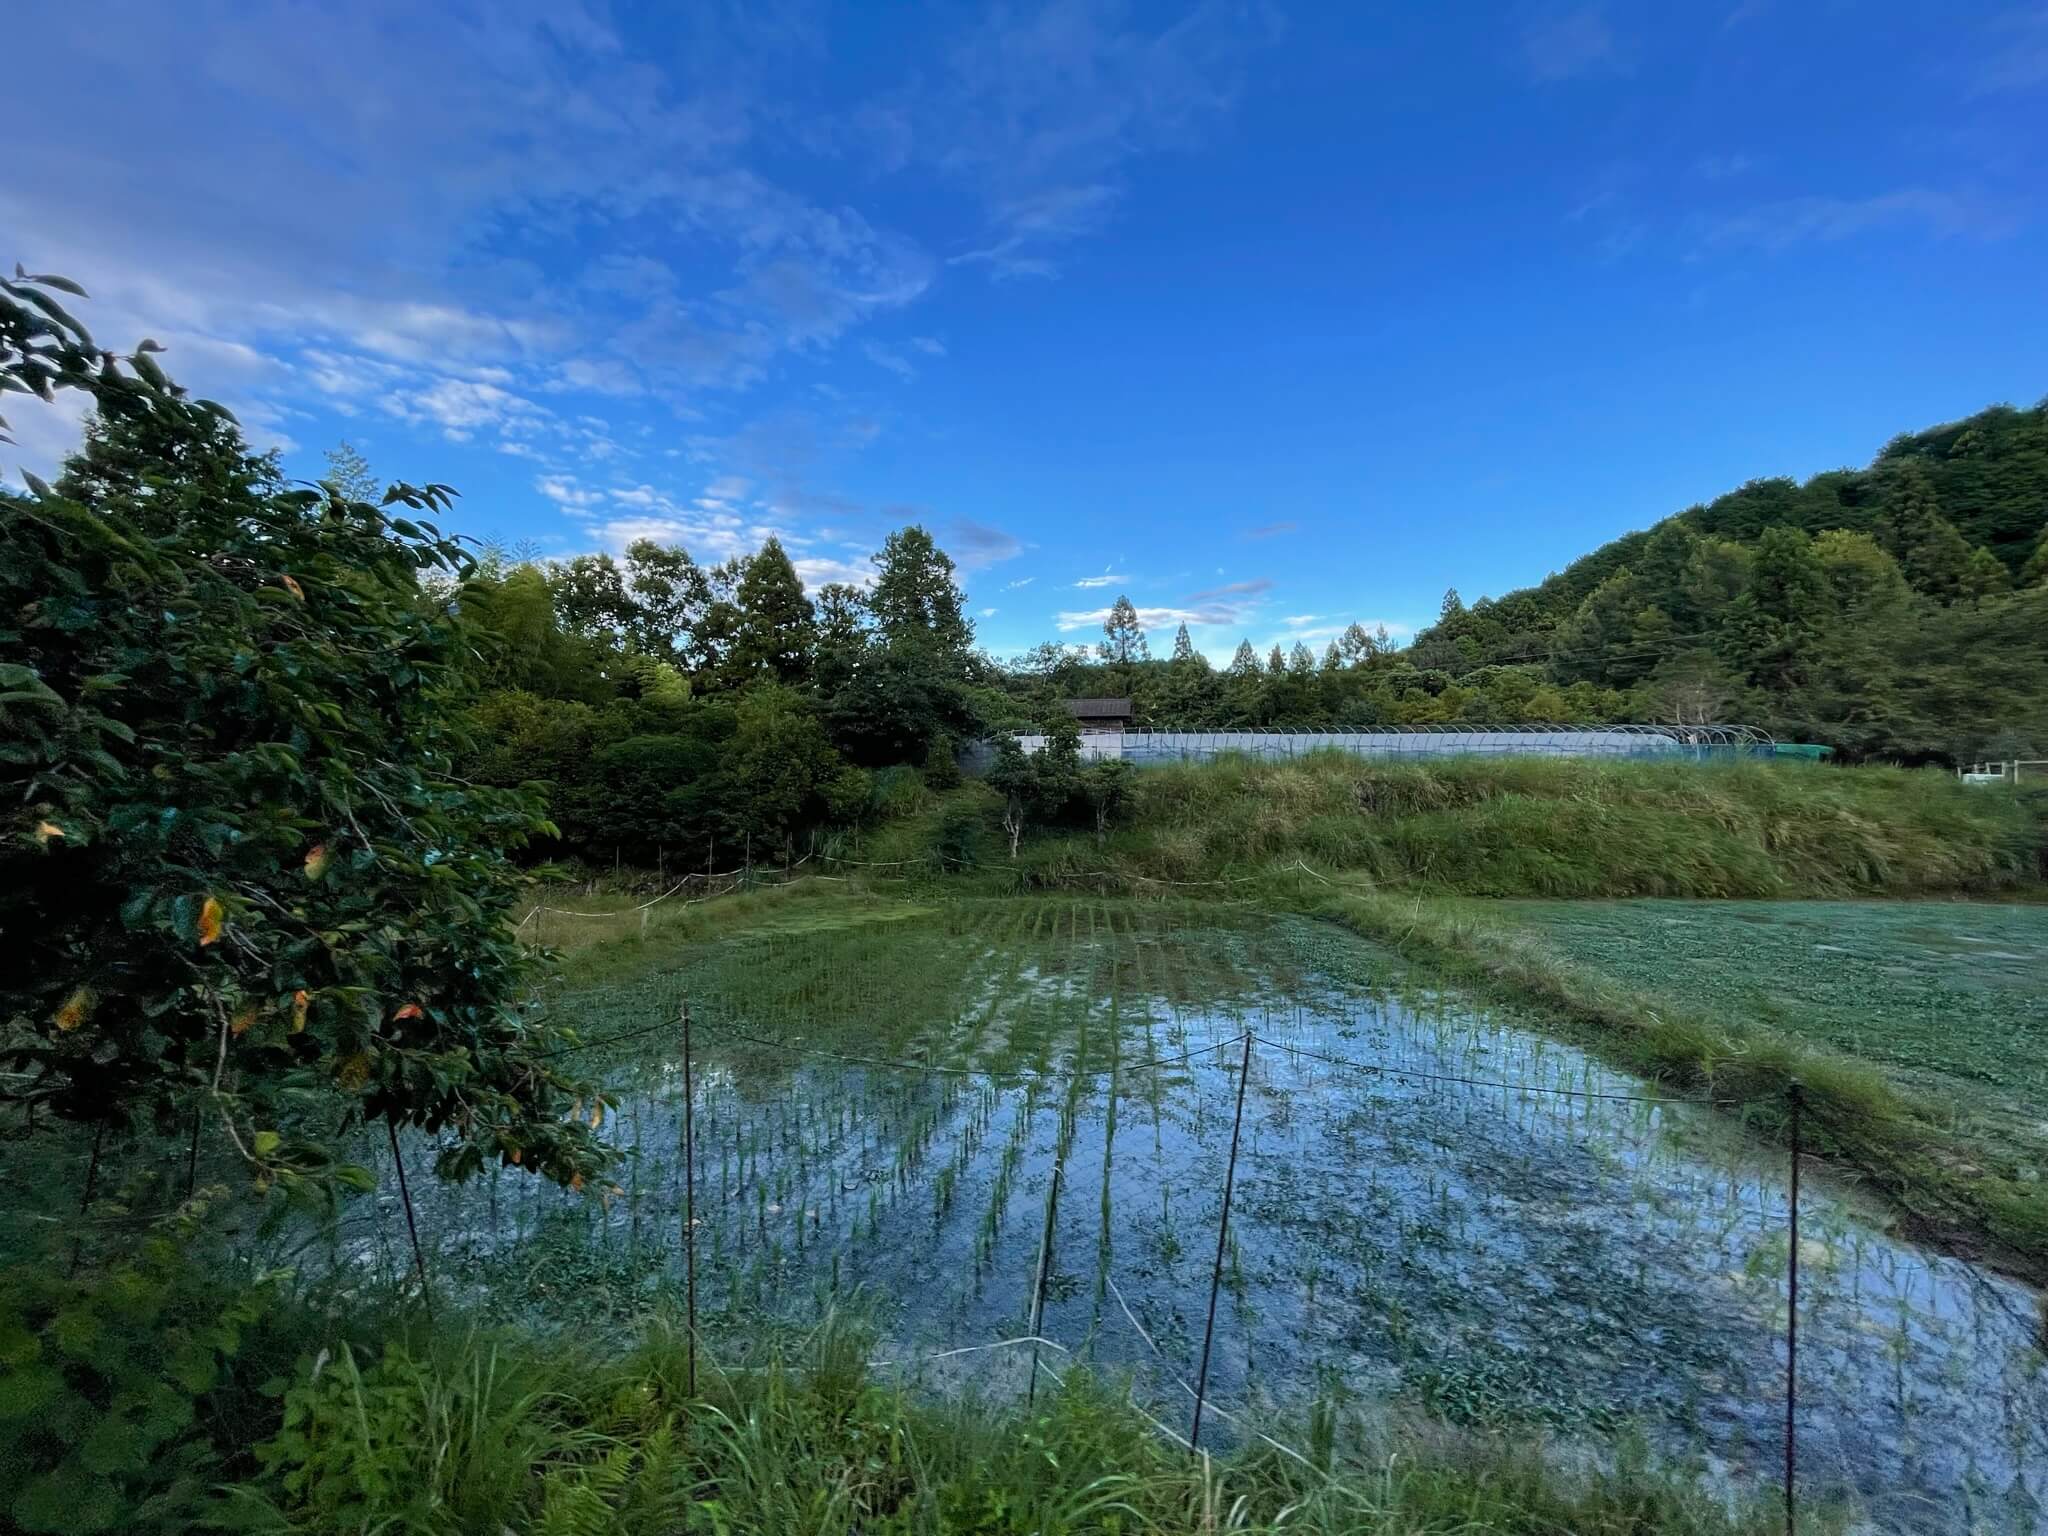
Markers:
<point>1722,167</point>
<point>1042,112</point>
<point>595,375</point>
<point>1021,581</point>
<point>404,173</point>
<point>818,571</point>
<point>1570,44</point>
<point>2017,56</point>
<point>891,359</point>
<point>1800,220</point>
<point>1271,530</point>
<point>1034,224</point>
<point>1069,620</point>
<point>459,407</point>
<point>1234,591</point>
<point>1232,604</point>
<point>566,493</point>
<point>1108,578</point>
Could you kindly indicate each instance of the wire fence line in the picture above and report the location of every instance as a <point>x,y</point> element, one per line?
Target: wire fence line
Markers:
<point>1379,1069</point>
<point>822,1171</point>
<point>1410,1074</point>
<point>993,1073</point>
<point>1898,1183</point>
<point>1248,1039</point>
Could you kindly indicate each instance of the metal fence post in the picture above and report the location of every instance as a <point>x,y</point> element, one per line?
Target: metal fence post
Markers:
<point>419,1258</point>
<point>1795,1096</point>
<point>1244,1072</point>
<point>1052,1205</point>
<point>689,1202</point>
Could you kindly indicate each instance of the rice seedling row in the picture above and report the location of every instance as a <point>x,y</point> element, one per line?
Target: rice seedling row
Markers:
<point>1504,1254</point>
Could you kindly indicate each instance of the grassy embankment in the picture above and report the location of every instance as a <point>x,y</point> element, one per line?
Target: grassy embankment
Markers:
<point>1397,852</point>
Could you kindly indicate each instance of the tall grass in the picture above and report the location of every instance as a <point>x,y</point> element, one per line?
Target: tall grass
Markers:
<point>1586,827</point>
<point>1553,827</point>
<point>464,1432</point>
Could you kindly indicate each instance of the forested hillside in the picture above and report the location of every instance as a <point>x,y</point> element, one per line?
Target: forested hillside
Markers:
<point>677,712</point>
<point>1898,610</point>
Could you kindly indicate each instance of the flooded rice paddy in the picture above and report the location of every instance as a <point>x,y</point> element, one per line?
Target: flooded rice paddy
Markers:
<point>1485,1226</point>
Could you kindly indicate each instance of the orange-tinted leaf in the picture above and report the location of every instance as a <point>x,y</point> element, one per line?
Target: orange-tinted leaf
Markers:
<point>410,1011</point>
<point>517,1156</point>
<point>316,861</point>
<point>597,1114</point>
<point>75,1008</point>
<point>212,918</point>
<point>575,1183</point>
<point>300,1001</point>
<point>45,830</point>
<point>294,588</point>
<point>244,1020</point>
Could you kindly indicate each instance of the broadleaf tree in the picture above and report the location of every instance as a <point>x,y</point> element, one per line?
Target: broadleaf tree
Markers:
<point>238,877</point>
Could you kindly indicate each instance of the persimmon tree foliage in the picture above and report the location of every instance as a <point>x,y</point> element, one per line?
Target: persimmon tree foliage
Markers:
<point>238,876</point>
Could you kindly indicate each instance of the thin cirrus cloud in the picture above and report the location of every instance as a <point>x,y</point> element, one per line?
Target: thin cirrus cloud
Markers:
<point>2017,60</point>
<point>1231,604</point>
<point>1571,43</point>
<point>1795,221</point>
<point>1042,114</point>
<point>1236,591</point>
<point>1068,620</point>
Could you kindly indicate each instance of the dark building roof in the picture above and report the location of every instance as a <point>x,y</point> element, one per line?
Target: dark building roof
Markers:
<point>1098,709</point>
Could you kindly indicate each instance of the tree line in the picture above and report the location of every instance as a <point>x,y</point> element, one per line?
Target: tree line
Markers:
<point>676,709</point>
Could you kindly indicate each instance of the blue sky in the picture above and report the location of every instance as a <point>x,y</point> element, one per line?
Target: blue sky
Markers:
<point>1273,316</point>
